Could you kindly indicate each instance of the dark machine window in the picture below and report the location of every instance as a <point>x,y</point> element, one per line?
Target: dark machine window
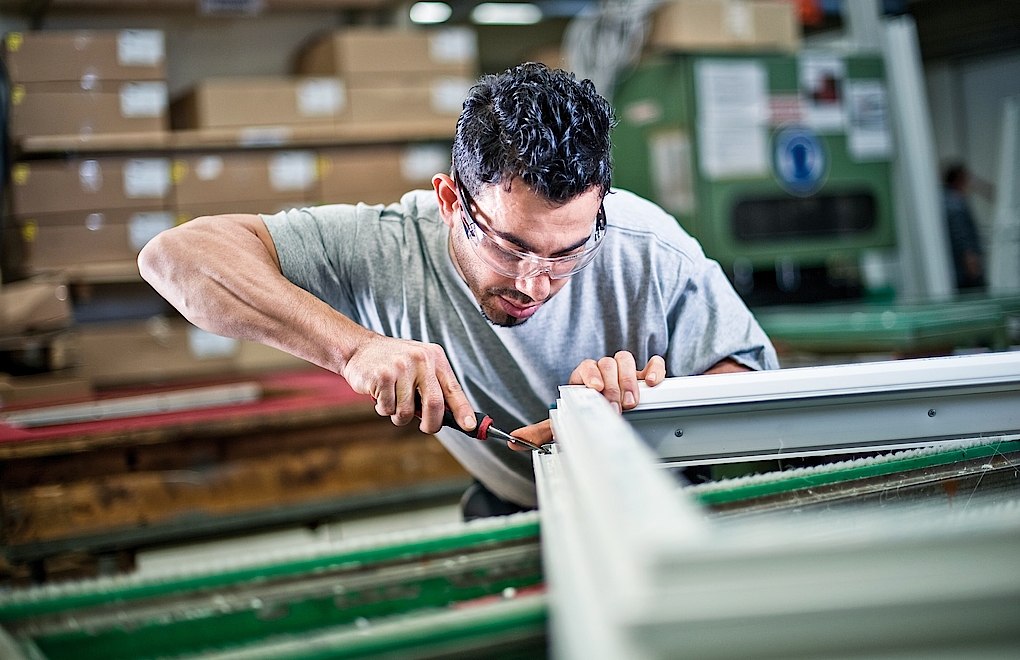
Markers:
<point>820,216</point>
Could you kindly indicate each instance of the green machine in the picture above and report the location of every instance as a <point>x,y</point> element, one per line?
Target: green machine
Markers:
<point>773,162</point>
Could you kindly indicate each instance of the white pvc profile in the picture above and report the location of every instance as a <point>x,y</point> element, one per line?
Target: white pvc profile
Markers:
<point>830,409</point>
<point>636,570</point>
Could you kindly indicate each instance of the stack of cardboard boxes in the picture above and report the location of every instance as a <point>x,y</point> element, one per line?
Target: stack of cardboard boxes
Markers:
<point>262,103</point>
<point>74,213</point>
<point>86,82</point>
<point>211,183</point>
<point>86,210</point>
<point>395,76</point>
<point>90,214</point>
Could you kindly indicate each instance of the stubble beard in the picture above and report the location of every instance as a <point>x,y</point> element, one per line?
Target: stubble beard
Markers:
<point>494,314</point>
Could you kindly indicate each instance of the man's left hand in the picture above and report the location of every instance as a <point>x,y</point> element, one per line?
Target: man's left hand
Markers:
<point>622,376</point>
<point>617,377</point>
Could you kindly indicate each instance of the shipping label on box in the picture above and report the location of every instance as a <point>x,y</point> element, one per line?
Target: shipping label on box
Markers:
<point>85,55</point>
<point>91,184</point>
<point>292,171</point>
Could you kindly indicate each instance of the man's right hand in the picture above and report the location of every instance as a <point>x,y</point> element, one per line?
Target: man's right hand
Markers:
<point>392,371</point>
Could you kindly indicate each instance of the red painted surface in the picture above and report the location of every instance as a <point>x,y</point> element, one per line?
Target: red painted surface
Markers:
<point>282,393</point>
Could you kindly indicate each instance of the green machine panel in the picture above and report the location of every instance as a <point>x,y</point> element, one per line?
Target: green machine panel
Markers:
<point>763,158</point>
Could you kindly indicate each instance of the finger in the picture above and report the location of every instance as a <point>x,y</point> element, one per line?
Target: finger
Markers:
<point>454,396</point>
<point>537,434</point>
<point>587,373</point>
<point>432,404</point>
<point>404,391</point>
<point>610,376</point>
<point>654,372</point>
<point>627,376</point>
<point>385,398</point>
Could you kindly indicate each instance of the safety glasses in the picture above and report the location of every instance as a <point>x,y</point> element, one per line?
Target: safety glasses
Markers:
<point>517,264</point>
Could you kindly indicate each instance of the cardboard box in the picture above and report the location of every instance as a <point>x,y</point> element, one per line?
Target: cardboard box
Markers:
<point>364,56</point>
<point>152,350</point>
<point>56,240</point>
<point>53,388</point>
<point>94,184</point>
<point>60,109</point>
<point>379,174</point>
<point>718,25</point>
<point>85,55</point>
<point>32,305</point>
<point>262,101</point>
<point>439,98</point>
<point>237,178</point>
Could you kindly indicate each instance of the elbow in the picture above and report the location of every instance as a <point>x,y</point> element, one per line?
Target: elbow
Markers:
<point>152,258</point>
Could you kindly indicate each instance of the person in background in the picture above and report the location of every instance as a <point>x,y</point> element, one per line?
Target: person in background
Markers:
<point>968,257</point>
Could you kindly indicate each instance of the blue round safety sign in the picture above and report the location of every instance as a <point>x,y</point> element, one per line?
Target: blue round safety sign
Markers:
<point>799,161</point>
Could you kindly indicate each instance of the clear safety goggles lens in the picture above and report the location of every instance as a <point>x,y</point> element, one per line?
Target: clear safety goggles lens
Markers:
<point>509,262</point>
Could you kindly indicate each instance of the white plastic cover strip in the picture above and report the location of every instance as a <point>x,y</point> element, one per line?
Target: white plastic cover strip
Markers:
<point>852,407</point>
<point>636,570</point>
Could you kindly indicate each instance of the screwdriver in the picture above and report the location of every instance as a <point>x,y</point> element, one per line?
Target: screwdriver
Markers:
<point>484,429</point>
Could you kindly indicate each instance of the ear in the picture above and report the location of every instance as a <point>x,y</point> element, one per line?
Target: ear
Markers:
<point>446,195</point>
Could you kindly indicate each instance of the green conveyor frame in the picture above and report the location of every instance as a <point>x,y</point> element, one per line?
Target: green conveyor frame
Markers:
<point>902,328</point>
<point>443,606</point>
<point>444,592</point>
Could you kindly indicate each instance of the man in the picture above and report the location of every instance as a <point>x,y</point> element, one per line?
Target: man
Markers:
<point>573,283</point>
<point>963,234</point>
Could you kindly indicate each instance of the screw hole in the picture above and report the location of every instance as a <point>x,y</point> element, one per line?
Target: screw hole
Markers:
<point>931,412</point>
<point>678,433</point>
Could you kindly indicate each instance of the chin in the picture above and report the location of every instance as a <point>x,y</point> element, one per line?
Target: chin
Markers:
<point>500,318</point>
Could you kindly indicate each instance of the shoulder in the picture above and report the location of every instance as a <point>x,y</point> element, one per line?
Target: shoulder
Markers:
<point>636,221</point>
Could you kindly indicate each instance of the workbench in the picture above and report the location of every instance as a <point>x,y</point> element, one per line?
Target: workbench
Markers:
<point>903,544</point>
<point>303,448</point>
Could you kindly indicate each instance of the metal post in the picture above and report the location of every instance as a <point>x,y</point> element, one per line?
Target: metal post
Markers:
<point>1004,248</point>
<point>863,20</point>
<point>920,214</point>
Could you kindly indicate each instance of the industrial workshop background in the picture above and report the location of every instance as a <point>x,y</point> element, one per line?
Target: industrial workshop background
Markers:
<point>804,143</point>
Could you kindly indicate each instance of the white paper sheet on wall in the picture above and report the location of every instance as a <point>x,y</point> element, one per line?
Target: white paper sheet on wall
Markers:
<point>672,178</point>
<point>822,86</point>
<point>733,114</point>
<point>867,129</point>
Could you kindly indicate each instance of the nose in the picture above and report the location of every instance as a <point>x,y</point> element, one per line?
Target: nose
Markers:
<point>535,286</point>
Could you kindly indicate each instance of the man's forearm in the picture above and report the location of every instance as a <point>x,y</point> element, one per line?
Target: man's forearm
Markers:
<point>223,275</point>
<point>727,366</point>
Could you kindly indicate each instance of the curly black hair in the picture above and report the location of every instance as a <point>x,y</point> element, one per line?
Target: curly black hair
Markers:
<point>539,124</point>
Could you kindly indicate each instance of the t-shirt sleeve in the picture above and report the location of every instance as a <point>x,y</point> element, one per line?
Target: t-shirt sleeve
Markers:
<point>715,324</point>
<point>315,246</point>
<point>708,321</point>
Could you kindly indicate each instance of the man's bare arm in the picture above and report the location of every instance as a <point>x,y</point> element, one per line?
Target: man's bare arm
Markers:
<point>223,274</point>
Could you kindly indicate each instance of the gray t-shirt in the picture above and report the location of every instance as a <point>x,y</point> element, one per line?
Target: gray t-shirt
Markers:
<point>650,291</point>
